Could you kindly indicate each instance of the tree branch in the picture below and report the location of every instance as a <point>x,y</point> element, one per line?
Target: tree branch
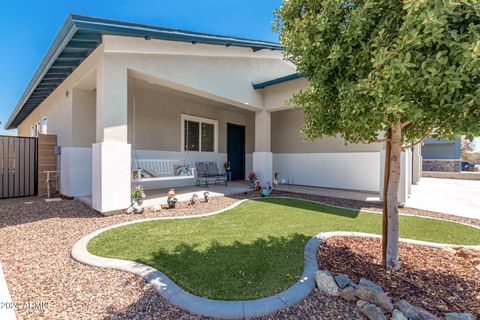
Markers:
<point>406,123</point>
<point>418,142</point>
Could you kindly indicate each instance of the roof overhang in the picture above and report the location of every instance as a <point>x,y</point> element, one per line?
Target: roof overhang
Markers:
<point>81,35</point>
<point>290,77</point>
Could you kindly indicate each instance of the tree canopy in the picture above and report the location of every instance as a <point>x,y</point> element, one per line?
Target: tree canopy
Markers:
<point>373,63</point>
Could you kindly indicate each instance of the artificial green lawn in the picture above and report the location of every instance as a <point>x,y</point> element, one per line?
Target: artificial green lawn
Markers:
<point>254,250</point>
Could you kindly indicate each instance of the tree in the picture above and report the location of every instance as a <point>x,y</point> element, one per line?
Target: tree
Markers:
<point>386,71</point>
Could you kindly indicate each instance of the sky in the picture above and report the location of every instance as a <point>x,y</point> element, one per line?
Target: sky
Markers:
<point>27,29</point>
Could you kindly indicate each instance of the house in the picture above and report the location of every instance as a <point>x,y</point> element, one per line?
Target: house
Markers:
<point>116,93</point>
<point>442,155</point>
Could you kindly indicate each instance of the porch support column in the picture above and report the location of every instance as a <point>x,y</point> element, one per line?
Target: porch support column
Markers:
<point>111,155</point>
<point>262,157</point>
<point>417,164</point>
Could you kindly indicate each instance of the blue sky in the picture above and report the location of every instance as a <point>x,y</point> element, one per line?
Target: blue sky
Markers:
<point>27,28</point>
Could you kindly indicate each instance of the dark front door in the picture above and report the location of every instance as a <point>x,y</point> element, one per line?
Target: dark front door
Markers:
<point>236,150</point>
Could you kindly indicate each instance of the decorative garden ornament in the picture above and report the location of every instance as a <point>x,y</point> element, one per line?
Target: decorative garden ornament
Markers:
<point>193,199</point>
<point>171,200</point>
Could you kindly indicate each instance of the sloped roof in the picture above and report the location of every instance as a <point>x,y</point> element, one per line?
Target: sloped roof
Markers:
<point>81,35</point>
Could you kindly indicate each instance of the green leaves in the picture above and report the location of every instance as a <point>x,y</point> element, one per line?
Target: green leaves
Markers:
<point>369,61</point>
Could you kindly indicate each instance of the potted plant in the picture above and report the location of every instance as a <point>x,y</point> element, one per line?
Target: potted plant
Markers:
<point>252,177</point>
<point>137,196</point>
<point>227,165</point>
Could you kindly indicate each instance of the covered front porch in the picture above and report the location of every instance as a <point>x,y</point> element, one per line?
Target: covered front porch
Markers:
<point>167,132</point>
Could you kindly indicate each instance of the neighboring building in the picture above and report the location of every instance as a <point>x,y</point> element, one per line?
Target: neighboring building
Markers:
<point>442,155</point>
<point>116,93</point>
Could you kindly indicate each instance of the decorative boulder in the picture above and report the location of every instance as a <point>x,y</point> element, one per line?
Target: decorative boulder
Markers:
<point>326,283</point>
<point>459,316</point>
<point>398,315</point>
<point>344,281</point>
<point>372,312</point>
<point>348,293</point>
<point>375,296</point>
<point>412,312</point>
<point>367,283</point>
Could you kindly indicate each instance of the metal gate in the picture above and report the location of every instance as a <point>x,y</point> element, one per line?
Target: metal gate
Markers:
<point>18,167</point>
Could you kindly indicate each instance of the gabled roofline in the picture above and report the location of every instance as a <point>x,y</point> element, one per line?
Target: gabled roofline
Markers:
<point>81,35</point>
<point>290,77</point>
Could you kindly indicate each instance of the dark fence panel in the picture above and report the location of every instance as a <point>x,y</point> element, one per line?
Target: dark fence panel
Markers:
<point>18,167</point>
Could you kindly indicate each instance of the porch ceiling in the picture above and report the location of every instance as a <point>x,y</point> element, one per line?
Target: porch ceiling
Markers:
<point>144,84</point>
<point>81,35</point>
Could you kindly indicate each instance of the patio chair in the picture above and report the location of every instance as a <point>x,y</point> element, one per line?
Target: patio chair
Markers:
<point>213,171</point>
<point>202,174</point>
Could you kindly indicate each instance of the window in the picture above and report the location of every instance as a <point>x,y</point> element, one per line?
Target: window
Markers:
<point>199,134</point>
<point>44,125</point>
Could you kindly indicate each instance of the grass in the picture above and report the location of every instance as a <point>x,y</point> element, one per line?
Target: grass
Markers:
<point>254,250</point>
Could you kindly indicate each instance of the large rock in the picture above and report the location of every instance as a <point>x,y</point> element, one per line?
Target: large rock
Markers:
<point>348,293</point>
<point>398,315</point>
<point>459,316</point>
<point>326,283</point>
<point>375,296</point>
<point>344,281</point>
<point>412,312</point>
<point>372,312</point>
<point>367,283</point>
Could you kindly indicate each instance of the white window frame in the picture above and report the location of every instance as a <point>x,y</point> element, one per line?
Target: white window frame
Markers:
<point>199,120</point>
<point>44,127</point>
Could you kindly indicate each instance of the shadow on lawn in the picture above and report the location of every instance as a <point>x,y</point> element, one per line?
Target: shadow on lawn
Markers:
<point>310,206</point>
<point>235,271</point>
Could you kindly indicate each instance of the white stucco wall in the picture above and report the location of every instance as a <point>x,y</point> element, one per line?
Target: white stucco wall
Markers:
<point>345,170</point>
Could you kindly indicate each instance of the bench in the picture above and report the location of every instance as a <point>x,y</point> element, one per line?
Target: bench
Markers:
<point>163,174</point>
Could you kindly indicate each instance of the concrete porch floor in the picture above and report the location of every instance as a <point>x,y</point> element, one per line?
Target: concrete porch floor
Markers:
<point>159,196</point>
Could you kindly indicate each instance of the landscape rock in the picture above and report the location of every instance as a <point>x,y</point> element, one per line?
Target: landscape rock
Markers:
<point>459,316</point>
<point>343,281</point>
<point>372,312</point>
<point>326,283</point>
<point>367,283</point>
<point>398,315</point>
<point>373,295</point>
<point>412,312</point>
<point>348,294</point>
<point>361,303</point>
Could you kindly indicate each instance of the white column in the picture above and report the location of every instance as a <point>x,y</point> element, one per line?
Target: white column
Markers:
<point>111,155</point>
<point>417,164</point>
<point>262,157</point>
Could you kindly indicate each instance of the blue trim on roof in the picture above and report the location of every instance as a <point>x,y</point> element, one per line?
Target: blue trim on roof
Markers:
<point>262,85</point>
<point>81,35</point>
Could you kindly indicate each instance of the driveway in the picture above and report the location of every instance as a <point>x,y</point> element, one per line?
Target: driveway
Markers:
<point>452,196</point>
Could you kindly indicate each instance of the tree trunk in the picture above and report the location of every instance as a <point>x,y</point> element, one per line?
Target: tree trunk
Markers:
<point>392,198</point>
<point>386,178</point>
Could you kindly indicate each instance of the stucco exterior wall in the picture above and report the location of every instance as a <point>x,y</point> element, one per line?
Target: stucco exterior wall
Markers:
<point>58,106</point>
<point>84,117</point>
<point>158,120</point>
<point>277,97</point>
<point>218,72</point>
<point>286,137</point>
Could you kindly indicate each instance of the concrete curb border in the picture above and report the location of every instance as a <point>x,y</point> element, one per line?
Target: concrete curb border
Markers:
<point>7,307</point>
<point>174,294</point>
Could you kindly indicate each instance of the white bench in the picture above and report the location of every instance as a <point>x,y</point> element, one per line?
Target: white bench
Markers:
<point>164,169</point>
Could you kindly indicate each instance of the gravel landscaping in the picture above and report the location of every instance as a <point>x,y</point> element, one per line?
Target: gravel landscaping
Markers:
<point>437,280</point>
<point>35,252</point>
